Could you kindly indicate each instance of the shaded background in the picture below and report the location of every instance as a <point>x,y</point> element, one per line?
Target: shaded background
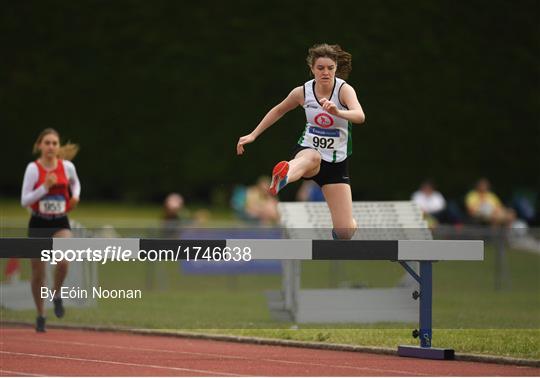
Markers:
<point>157,93</point>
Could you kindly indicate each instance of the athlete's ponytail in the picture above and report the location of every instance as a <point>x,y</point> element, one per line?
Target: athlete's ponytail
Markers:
<point>68,151</point>
<point>342,58</point>
<point>65,152</point>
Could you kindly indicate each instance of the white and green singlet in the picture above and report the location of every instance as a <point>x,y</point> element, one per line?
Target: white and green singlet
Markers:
<point>328,134</point>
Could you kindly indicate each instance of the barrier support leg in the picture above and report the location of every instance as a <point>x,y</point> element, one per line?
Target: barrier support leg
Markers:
<point>425,333</point>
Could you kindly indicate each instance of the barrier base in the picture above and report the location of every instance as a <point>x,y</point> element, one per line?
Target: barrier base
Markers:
<point>427,353</point>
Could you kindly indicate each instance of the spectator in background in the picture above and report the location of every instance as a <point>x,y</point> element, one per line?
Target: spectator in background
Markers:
<point>430,201</point>
<point>260,205</point>
<point>172,207</point>
<point>201,218</point>
<point>310,191</point>
<point>485,207</point>
<point>524,203</point>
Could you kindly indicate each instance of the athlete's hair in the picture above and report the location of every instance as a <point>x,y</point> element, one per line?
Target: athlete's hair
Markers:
<point>342,58</point>
<point>65,152</point>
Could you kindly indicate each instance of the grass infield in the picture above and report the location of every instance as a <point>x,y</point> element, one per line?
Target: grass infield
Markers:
<point>468,314</point>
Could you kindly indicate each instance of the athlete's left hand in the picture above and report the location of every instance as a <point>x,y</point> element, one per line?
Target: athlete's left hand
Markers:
<point>73,201</point>
<point>242,141</point>
<point>329,107</point>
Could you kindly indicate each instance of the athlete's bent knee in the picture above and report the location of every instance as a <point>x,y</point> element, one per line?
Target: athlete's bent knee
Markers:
<point>344,232</point>
<point>315,158</point>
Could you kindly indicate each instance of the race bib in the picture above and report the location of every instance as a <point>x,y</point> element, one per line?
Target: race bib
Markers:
<point>52,205</point>
<point>323,138</point>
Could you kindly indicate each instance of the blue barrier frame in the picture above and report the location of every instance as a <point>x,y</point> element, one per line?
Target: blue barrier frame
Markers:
<point>425,333</point>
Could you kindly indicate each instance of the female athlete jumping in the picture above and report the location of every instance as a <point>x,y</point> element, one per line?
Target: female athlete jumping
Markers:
<point>50,188</point>
<point>323,149</point>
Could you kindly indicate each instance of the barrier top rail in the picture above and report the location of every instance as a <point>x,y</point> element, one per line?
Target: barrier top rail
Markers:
<point>262,249</point>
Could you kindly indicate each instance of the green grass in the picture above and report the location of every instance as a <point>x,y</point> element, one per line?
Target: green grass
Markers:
<point>517,343</point>
<point>468,313</point>
<point>98,214</point>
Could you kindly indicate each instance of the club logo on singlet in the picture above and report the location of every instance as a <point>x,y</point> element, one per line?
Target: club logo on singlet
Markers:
<point>324,120</point>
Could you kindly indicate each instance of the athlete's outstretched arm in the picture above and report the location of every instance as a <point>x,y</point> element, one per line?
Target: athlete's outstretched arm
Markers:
<point>347,96</point>
<point>294,99</point>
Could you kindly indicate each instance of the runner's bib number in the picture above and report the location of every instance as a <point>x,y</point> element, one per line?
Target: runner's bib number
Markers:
<point>52,205</point>
<point>323,138</point>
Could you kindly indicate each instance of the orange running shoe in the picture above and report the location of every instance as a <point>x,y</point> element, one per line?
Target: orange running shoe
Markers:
<point>279,177</point>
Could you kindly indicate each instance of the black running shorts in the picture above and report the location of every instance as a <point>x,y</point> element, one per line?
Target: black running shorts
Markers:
<point>39,227</point>
<point>330,173</point>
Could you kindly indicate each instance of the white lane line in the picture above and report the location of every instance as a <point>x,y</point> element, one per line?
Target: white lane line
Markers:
<point>218,373</point>
<point>314,364</point>
<point>399,372</point>
<point>10,372</point>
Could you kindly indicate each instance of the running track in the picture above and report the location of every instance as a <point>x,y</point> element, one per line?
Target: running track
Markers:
<point>88,353</point>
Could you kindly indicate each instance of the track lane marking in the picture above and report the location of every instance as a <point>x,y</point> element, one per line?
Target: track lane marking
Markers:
<point>123,363</point>
<point>273,360</point>
<point>10,372</point>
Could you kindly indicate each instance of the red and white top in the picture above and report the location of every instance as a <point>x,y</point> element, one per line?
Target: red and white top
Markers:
<point>55,200</point>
